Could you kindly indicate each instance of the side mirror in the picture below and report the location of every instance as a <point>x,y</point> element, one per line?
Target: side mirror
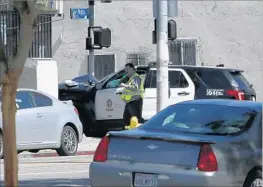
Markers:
<point>98,86</point>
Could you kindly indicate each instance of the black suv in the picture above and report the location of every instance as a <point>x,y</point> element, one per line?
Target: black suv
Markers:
<point>220,82</point>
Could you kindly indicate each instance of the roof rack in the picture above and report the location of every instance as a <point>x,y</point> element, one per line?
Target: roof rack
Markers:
<point>154,63</point>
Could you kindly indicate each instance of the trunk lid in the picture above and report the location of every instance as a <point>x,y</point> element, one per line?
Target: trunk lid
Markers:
<point>156,147</point>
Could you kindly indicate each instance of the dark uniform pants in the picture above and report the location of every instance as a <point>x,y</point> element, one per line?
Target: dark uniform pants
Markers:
<point>133,108</point>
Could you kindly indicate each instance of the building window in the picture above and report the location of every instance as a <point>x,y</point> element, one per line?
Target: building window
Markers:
<point>42,47</point>
<point>183,51</point>
<point>10,30</point>
<point>104,65</point>
<point>137,58</point>
<point>3,30</point>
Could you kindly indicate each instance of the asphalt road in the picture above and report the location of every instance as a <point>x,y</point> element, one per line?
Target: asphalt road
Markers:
<point>53,171</point>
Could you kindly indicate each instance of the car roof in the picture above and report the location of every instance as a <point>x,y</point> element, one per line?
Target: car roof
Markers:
<point>37,91</point>
<point>194,67</point>
<point>252,105</point>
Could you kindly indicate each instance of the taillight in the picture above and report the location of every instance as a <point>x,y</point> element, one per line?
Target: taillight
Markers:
<point>207,159</point>
<point>237,94</point>
<point>76,110</point>
<point>101,152</point>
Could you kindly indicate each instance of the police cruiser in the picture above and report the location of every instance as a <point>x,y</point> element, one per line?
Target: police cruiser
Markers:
<point>101,109</point>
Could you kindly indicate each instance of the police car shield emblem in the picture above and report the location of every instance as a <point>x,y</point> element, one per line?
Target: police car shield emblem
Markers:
<point>109,103</point>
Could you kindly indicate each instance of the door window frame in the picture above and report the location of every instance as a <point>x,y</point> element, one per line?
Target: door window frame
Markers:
<point>33,99</point>
<point>186,76</point>
<point>30,100</point>
<point>121,73</point>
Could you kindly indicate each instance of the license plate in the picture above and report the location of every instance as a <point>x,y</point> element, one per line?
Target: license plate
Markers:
<point>145,180</point>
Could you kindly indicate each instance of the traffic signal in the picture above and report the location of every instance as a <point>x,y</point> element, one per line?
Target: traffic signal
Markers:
<point>172,31</point>
<point>101,38</point>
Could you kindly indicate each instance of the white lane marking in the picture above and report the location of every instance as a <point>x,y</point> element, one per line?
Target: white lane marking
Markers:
<point>48,173</point>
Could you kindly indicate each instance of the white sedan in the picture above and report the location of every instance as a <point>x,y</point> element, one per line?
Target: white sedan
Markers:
<point>43,122</point>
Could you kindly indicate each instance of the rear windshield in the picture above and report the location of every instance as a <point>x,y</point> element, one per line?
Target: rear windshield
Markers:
<point>202,119</point>
<point>240,80</point>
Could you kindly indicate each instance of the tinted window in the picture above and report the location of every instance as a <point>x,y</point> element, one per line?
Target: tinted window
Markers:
<point>194,78</point>
<point>214,79</point>
<point>23,100</point>
<point>240,80</point>
<point>200,119</point>
<point>152,79</point>
<point>41,100</point>
<point>176,79</point>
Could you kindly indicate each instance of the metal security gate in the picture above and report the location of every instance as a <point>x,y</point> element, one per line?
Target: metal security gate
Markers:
<point>104,65</point>
<point>10,30</point>
<point>9,22</point>
<point>42,43</point>
<point>183,51</point>
<point>138,58</point>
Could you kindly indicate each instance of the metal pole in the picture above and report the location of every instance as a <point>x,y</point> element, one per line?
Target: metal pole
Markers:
<point>162,55</point>
<point>91,24</point>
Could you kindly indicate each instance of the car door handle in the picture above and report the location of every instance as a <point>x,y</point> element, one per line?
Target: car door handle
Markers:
<point>39,115</point>
<point>183,93</point>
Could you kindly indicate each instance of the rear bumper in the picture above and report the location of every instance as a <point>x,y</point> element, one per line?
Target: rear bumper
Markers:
<point>109,125</point>
<point>122,174</point>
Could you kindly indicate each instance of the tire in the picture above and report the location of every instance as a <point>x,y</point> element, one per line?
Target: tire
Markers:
<point>68,137</point>
<point>254,179</point>
<point>1,147</point>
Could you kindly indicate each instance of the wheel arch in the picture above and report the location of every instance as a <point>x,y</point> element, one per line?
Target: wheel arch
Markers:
<point>70,124</point>
<point>252,170</point>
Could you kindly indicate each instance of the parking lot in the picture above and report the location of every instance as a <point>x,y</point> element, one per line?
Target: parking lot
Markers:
<point>53,171</point>
<point>86,147</point>
<point>46,168</point>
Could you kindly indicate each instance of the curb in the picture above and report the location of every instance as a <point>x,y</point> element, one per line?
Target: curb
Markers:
<point>53,154</point>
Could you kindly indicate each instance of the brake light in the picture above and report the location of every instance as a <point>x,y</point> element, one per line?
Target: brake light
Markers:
<point>237,94</point>
<point>207,159</point>
<point>76,110</point>
<point>101,152</point>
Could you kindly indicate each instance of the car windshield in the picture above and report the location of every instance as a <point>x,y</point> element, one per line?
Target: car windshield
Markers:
<point>104,78</point>
<point>202,119</point>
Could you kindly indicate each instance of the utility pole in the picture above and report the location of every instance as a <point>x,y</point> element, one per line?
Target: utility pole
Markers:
<point>162,55</point>
<point>91,50</point>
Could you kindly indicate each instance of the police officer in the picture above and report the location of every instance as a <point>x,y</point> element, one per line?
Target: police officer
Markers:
<point>132,94</point>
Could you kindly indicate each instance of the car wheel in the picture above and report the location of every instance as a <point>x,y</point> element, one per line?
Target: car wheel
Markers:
<point>254,179</point>
<point>69,142</point>
<point>1,147</point>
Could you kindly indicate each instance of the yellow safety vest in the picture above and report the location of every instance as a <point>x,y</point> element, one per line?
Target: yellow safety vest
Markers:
<point>130,94</point>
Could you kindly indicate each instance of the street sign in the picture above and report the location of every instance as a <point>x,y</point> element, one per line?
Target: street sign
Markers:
<point>79,13</point>
<point>172,8</point>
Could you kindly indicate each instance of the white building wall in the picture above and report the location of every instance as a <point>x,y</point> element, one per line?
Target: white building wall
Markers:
<point>229,32</point>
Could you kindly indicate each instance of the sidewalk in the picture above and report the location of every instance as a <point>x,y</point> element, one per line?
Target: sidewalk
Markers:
<point>86,147</point>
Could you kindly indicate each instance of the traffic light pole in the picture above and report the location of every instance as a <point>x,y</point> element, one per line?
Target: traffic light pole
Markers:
<point>162,55</point>
<point>91,24</point>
